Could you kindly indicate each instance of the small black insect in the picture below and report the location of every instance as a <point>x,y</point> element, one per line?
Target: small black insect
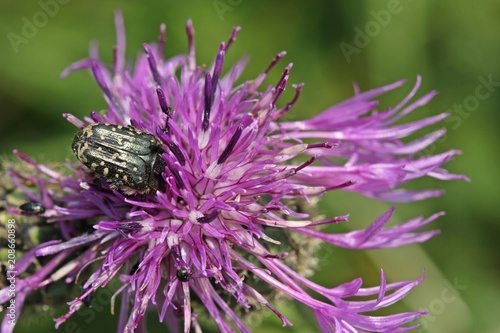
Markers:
<point>183,274</point>
<point>32,208</point>
<point>88,301</point>
<point>126,157</point>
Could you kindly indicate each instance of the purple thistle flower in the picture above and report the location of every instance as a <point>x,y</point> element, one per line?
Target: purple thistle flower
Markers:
<point>238,181</point>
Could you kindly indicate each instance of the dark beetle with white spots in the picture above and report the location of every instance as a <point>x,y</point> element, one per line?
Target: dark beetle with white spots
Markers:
<point>124,156</point>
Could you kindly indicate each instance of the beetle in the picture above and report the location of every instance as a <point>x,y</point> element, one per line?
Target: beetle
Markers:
<point>32,208</point>
<point>183,274</point>
<point>126,157</point>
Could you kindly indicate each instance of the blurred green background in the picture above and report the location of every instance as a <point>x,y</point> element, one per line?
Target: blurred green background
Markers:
<point>454,45</point>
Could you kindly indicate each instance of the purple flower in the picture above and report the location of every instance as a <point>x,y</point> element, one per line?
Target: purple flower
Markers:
<point>240,187</point>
